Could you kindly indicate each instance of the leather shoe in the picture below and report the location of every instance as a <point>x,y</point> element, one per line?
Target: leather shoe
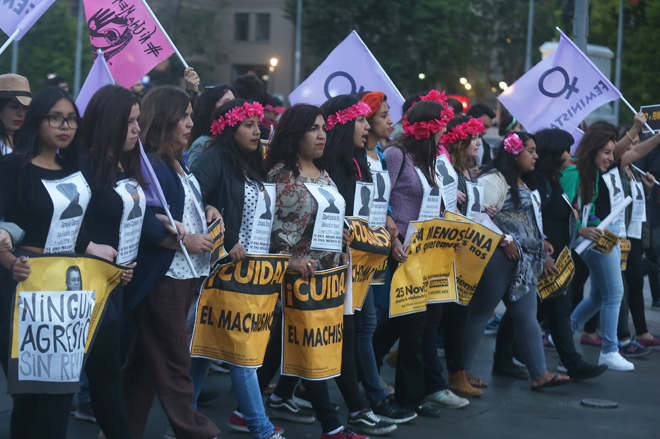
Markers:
<point>426,410</point>
<point>585,371</point>
<point>504,366</point>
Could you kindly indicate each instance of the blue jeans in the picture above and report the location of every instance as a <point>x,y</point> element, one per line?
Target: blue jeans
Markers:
<point>199,369</point>
<point>605,296</point>
<point>83,395</point>
<point>248,395</point>
<point>365,360</point>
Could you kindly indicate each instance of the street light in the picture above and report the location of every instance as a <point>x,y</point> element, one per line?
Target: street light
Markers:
<point>468,86</point>
<point>463,81</point>
<point>273,62</point>
<point>503,85</point>
<point>421,76</point>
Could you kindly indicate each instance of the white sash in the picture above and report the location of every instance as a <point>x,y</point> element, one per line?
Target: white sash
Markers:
<point>329,224</point>
<point>70,197</point>
<point>130,228</point>
<point>431,200</point>
<point>362,203</point>
<point>615,188</point>
<point>263,221</point>
<point>474,199</point>
<point>449,179</point>
<point>536,204</point>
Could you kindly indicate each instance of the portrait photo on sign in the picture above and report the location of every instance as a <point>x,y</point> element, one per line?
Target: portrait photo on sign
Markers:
<point>475,197</point>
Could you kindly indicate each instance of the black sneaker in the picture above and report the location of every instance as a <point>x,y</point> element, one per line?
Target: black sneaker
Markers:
<point>585,371</point>
<point>389,410</point>
<point>288,410</point>
<point>367,422</point>
<point>301,398</point>
<point>84,412</point>
<point>504,366</point>
<point>633,349</point>
<point>426,410</point>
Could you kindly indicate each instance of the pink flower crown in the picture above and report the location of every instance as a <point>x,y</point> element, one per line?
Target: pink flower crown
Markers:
<point>513,144</point>
<point>347,115</point>
<point>423,130</point>
<point>463,131</point>
<point>237,115</point>
<point>278,110</point>
<point>435,96</point>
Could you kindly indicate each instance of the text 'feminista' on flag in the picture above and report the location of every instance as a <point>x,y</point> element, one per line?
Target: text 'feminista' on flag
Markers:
<point>21,14</point>
<point>560,91</point>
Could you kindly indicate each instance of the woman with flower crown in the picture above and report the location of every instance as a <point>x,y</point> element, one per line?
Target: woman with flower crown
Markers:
<point>411,164</point>
<point>233,179</point>
<point>513,271</point>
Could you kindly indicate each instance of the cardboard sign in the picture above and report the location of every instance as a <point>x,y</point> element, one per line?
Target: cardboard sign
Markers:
<point>364,195</point>
<point>431,199</point>
<point>132,216</point>
<point>652,113</point>
<point>606,242</point>
<point>381,199</point>
<point>475,197</point>
<point>449,178</point>
<point>625,251</point>
<point>313,323</point>
<point>55,315</point>
<point>478,247</point>
<point>329,222</point>
<point>429,273</point>
<point>263,220</point>
<point>369,249</point>
<point>551,286</point>
<point>218,236</point>
<point>235,310</point>
<point>614,185</point>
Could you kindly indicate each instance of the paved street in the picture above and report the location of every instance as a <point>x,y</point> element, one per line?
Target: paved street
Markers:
<point>508,408</point>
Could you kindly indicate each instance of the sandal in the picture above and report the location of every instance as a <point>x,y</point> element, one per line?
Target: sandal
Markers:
<point>475,381</point>
<point>552,382</point>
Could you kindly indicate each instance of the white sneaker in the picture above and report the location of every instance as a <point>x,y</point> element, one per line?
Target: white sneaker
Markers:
<point>615,361</point>
<point>447,399</point>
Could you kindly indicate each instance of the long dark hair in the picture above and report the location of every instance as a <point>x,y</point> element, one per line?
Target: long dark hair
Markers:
<point>103,136</point>
<point>204,109</point>
<point>593,141</point>
<point>243,163</point>
<point>160,111</point>
<point>458,150</point>
<point>26,138</point>
<point>551,144</point>
<point>423,151</point>
<point>292,127</point>
<point>4,137</point>
<point>341,153</point>
<point>506,164</point>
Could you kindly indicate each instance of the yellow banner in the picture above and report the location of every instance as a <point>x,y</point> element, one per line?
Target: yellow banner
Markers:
<point>313,323</point>
<point>218,236</point>
<point>625,251</point>
<point>369,250</point>
<point>380,276</point>
<point>235,310</point>
<point>429,274</point>
<point>478,247</point>
<point>57,310</point>
<point>555,286</point>
<point>606,242</point>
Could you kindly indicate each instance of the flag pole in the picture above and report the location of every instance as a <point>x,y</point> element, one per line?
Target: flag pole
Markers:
<point>11,38</point>
<point>635,112</point>
<point>167,37</point>
<point>105,66</point>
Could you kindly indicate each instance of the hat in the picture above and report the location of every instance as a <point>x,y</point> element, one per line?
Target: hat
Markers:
<point>15,87</point>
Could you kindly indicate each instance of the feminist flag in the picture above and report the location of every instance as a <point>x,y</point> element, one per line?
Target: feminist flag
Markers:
<point>560,91</point>
<point>128,36</point>
<point>98,76</point>
<point>15,14</point>
<point>350,68</point>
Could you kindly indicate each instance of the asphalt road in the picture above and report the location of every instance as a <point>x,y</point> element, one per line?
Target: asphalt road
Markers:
<point>508,409</point>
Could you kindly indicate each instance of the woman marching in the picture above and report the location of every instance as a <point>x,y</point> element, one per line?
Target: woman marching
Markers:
<point>513,271</point>
<point>462,142</point>
<point>411,164</point>
<point>111,164</point>
<point>160,295</point>
<point>45,153</point>
<point>14,99</point>
<point>232,179</point>
<point>295,157</point>
<point>208,102</point>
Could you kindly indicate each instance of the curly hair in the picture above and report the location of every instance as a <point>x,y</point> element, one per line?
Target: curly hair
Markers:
<point>285,146</point>
<point>204,109</point>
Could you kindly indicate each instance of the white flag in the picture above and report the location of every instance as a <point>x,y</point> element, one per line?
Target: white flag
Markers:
<point>21,14</point>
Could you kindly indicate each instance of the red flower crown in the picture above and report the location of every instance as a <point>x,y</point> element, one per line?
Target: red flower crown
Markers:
<point>347,115</point>
<point>463,131</point>
<point>278,110</point>
<point>435,96</point>
<point>237,115</point>
<point>513,144</point>
<point>423,130</point>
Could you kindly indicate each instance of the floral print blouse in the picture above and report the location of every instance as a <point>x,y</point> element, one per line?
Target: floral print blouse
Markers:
<point>295,216</point>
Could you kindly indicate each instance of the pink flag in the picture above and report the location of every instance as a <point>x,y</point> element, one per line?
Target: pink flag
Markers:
<point>21,15</point>
<point>560,91</point>
<point>128,36</point>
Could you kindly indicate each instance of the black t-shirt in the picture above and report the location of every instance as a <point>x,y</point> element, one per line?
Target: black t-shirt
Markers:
<point>603,207</point>
<point>556,217</point>
<point>33,210</point>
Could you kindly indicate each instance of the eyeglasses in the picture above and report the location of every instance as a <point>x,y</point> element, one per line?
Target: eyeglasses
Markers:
<point>57,121</point>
